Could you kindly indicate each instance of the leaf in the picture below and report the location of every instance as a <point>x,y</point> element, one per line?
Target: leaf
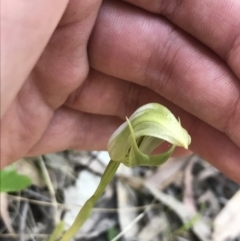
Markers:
<point>87,207</point>
<point>127,198</point>
<point>28,168</point>
<point>57,232</point>
<point>4,212</point>
<point>11,181</point>
<point>195,222</point>
<point>112,232</point>
<point>226,224</point>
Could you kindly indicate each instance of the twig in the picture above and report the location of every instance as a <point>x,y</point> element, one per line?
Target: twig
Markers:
<point>4,214</point>
<point>31,219</point>
<point>188,199</point>
<point>50,188</point>
<point>14,234</point>
<point>14,216</point>
<point>100,210</point>
<point>24,211</point>
<point>137,219</point>
<point>25,235</point>
<point>32,194</point>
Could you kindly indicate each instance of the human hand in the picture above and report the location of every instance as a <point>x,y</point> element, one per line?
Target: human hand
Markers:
<point>129,49</point>
<point>34,117</point>
<point>187,53</point>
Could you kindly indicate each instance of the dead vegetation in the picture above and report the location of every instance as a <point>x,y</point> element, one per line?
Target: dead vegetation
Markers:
<point>185,199</point>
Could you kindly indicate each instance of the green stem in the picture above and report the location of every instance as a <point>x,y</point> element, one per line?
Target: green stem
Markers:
<point>85,211</point>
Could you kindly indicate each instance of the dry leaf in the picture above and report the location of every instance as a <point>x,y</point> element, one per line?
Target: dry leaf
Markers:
<point>199,227</point>
<point>156,225</point>
<point>85,186</point>
<point>126,198</point>
<point>210,197</point>
<point>27,167</point>
<point>188,198</point>
<point>227,223</point>
<point>4,212</point>
<point>167,173</point>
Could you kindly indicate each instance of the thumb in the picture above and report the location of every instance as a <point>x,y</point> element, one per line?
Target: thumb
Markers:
<point>26,27</point>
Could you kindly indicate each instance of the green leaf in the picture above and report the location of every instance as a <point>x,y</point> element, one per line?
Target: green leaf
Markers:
<point>11,181</point>
<point>111,233</point>
<point>87,207</point>
<point>57,232</point>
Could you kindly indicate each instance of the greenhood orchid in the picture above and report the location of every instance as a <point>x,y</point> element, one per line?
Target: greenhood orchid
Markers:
<point>132,144</point>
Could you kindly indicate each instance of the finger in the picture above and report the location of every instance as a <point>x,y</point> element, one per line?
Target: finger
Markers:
<point>23,124</point>
<point>80,12</point>
<point>63,65</point>
<point>167,61</point>
<point>107,95</point>
<point>61,69</point>
<point>215,23</point>
<point>26,27</point>
<point>71,129</point>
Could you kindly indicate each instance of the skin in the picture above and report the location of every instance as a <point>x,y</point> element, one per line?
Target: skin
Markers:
<point>71,72</point>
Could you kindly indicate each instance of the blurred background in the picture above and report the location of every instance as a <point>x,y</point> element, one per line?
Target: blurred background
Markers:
<point>184,199</point>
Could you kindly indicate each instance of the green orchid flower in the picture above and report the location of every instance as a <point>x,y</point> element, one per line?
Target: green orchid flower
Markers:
<point>132,144</point>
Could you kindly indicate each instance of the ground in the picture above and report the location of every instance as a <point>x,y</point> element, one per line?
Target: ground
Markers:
<point>185,199</point>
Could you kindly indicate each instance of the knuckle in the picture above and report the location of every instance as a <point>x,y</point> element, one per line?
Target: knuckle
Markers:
<point>130,101</point>
<point>233,49</point>
<point>170,8</point>
<point>232,119</point>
